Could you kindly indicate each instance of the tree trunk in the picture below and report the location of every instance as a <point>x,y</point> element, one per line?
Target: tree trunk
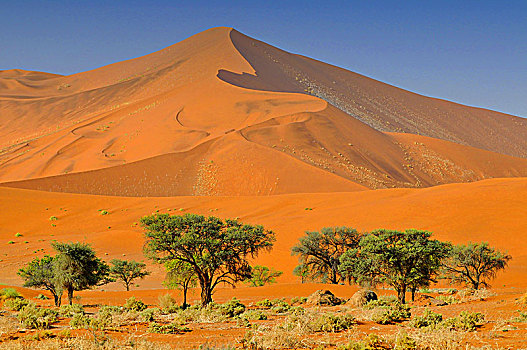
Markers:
<point>57,299</point>
<point>185,289</point>
<point>401,294</point>
<point>206,291</point>
<point>70,295</point>
<point>127,286</point>
<point>414,289</point>
<point>206,295</point>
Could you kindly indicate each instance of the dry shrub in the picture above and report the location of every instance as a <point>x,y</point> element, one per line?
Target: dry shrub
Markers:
<point>84,343</point>
<point>421,339</point>
<point>291,333</point>
<point>361,298</point>
<point>8,324</point>
<point>474,294</point>
<point>437,338</point>
<point>522,301</point>
<point>167,303</point>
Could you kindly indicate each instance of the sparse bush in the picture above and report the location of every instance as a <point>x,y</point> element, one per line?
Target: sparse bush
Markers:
<point>276,305</point>
<point>449,299</point>
<point>328,322</point>
<point>134,304</point>
<point>254,315</point>
<point>16,304</point>
<point>232,308</point>
<point>104,212</point>
<point>387,300</point>
<point>71,310</point>
<point>427,319</point>
<point>370,342</point>
<point>522,301</point>
<point>11,242</point>
<point>298,300</point>
<point>34,317</point>
<point>397,312</point>
<point>53,218</point>
<point>474,294</point>
<point>466,321</point>
<point>41,297</point>
<point>291,333</point>
<point>280,306</point>
<point>79,321</point>
<point>148,314</point>
<point>167,303</point>
<point>171,328</point>
<point>521,318</point>
<point>265,304</point>
<point>18,234</point>
<point>9,293</point>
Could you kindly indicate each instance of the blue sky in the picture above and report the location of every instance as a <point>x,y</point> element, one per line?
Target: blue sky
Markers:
<point>472,52</point>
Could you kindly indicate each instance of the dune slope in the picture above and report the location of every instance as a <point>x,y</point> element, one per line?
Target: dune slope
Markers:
<point>490,210</point>
<point>222,114</point>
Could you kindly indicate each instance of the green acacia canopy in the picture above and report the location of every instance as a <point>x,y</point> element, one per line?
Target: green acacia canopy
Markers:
<point>216,249</point>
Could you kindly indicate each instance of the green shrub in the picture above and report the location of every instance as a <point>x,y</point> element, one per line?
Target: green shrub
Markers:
<point>265,304</point>
<point>167,303</point>
<point>16,304</point>
<point>298,300</point>
<point>71,310</point>
<point>427,319</point>
<point>104,212</point>
<point>34,317</point>
<point>232,308</point>
<point>79,321</point>
<point>148,314</point>
<point>53,218</point>
<point>171,328</point>
<point>102,320</point>
<point>280,306</point>
<point>41,297</point>
<point>134,304</point>
<point>18,234</point>
<point>396,312</point>
<point>297,310</point>
<point>466,321</point>
<point>9,293</point>
<point>449,299</point>
<point>370,342</point>
<point>521,318</point>
<point>276,305</point>
<point>383,301</point>
<point>328,322</point>
<point>254,315</point>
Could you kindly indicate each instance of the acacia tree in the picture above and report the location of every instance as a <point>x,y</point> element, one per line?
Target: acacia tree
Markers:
<point>38,273</point>
<point>180,275</point>
<point>76,267</point>
<point>474,264</point>
<point>320,252</point>
<point>262,275</point>
<point>127,271</point>
<point>400,259</point>
<point>301,271</point>
<point>217,250</point>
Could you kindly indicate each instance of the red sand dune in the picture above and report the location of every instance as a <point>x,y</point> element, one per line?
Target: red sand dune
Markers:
<point>490,210</point>
<point>175,123</point>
